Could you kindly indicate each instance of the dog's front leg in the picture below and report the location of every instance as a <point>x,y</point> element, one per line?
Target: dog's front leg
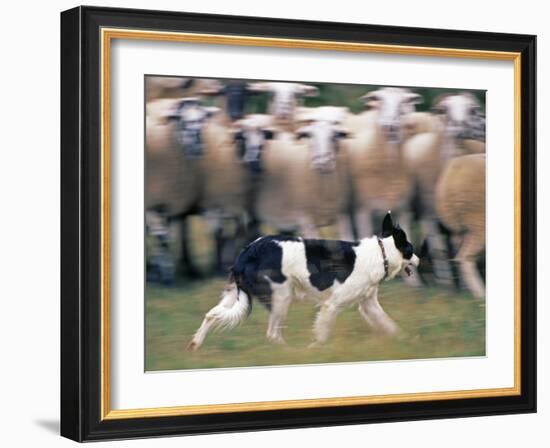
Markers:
<point>375,316</point>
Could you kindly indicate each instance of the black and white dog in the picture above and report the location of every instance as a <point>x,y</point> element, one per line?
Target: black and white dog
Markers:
<point>279,269</point>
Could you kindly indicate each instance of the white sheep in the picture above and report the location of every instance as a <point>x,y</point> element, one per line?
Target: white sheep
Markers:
<point>173,151</point>
<point>462,121</point>
<point>269,155</point>
<point>321,179</point>
<point>297,179</point>
<point>460,201</point>
<point>225,187</point>
<point>378,173</point>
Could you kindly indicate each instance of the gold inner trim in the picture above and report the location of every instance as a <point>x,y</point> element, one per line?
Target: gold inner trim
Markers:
<point>107,34</point>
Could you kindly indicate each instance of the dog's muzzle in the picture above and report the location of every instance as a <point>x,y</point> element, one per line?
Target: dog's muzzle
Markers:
<point>414,261</point>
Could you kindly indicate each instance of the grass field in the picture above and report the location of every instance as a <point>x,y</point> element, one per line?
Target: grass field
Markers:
<point>436,323</point>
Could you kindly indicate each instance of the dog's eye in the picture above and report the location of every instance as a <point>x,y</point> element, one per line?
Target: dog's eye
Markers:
<point>408,251</point>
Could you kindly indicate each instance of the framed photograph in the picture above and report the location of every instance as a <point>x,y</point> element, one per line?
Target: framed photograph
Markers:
<point>276,224</point>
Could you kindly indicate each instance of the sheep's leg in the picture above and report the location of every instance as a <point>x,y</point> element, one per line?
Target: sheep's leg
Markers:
<point>280,302</point>
<point>414,278</point>
<point>466,259</point>
<point>162,260</point>
<point>216,224</point>
<point>166,265</point>
<point>438,248</point>
<point>307,226</point>
<point>345,228</point>
<point>186,260</point>
<point>375,316</point>
<point>364,222</point>
<point>226,236</point>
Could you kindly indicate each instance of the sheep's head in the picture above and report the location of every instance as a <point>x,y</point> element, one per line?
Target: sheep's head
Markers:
<point>286,96</point>
<point>392,104</point>
<point>250,135</point>
<point>324,131</point>
<point>190,116</point>
<point>462,115</point>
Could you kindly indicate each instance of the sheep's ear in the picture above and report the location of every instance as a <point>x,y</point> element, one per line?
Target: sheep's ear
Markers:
<point>183,103</point>
<point>211,87</point>
<point>187,83</point>
<point>370,99</point>
<point>475,110</point>
<point>269,133</point>
<point>302,133</point>
<point>307,90</point>
<point>258,87</point>
<point>342,133</point>
<point>174,114</point>
<point>438,103</point>
<point>387,226</point>
<point>237,132</point>
<point>414,98</point>
<point>210,111</point>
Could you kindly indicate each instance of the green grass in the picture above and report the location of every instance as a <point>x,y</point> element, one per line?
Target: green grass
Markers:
<point>436,322</point>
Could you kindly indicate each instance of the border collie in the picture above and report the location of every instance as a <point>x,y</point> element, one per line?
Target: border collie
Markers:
<point>276,270</point>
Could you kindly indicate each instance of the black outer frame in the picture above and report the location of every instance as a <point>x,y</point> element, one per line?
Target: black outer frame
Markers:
<point>80,223</point>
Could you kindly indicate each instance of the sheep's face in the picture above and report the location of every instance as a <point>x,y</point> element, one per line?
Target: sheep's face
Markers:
<point>392,104</point>
<point>190,117</point>
<point>406,257</point>
<point>236,93</point>
<point>285,96</point>
<point>324,137</point>
<point>462,115</point>
<point>250,137</point>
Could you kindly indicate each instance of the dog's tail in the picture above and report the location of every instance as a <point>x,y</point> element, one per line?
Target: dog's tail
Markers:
<point>233,309</point>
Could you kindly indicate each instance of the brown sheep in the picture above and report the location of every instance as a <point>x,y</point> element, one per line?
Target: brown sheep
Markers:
<point>158,87</point>
<point>460,202</point>
<point>432,140</point>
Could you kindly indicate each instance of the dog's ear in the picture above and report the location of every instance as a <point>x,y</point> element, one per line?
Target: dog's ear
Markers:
<point>399,236</point>
<point>387,225</point>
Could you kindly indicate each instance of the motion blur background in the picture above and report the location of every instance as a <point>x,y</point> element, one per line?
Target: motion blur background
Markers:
<point>230,160</point>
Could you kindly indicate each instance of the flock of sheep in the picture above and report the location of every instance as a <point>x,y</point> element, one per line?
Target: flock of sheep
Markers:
<point>298,169</point>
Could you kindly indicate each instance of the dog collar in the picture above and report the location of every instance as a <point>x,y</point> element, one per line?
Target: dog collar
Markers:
<point>386,264</point>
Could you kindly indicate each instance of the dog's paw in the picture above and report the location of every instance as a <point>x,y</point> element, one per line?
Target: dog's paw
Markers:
<point>277,340</point>
<point>192,346</point>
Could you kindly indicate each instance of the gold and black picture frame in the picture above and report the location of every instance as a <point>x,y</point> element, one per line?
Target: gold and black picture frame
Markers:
<point>115,331</point>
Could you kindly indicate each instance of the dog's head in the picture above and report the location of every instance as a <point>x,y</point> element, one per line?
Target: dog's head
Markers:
<point>404,248</point>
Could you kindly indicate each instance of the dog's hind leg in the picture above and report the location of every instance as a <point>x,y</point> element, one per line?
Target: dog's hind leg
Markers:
<point>325,321</point>
<point>201,333</point>
<point>228,313</point>
<point>281,298</point>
